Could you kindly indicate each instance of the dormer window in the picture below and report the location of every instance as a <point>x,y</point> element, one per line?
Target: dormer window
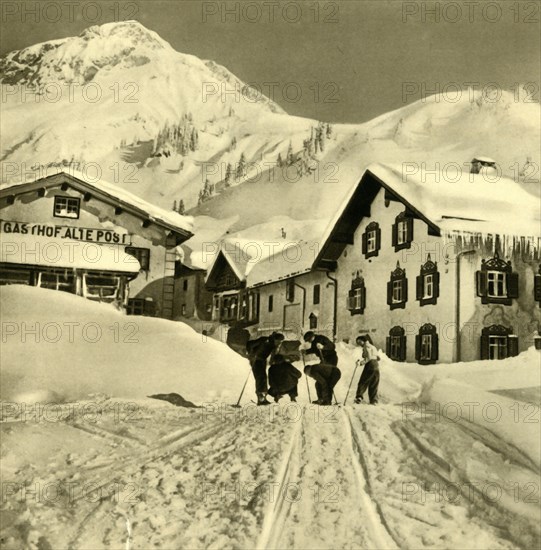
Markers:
<point>357,296</point>
<point>66,207</point>
<point>371,240</point>
<point>402,232</point>
<point>428,283</point>
<point>397,288</point>
<point>496,282</point>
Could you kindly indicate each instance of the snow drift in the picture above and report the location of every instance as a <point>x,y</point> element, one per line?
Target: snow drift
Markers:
<point>58,347</point>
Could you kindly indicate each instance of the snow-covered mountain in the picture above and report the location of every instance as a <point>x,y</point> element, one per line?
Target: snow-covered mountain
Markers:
<point>121,98</point>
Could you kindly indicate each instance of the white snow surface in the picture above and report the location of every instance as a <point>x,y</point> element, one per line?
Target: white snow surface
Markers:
<point>107,352</point>
<point>449,458</point>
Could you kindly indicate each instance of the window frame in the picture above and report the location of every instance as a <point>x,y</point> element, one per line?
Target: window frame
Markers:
<point>357,296</point>
<point>396,344</point>
<point>137,252</point>
<point>405,220</point>
<point>428,269</point>
<point>398,277</point>
<point>316,294</point>
<point>67,198</point>
<point>427,333</point>
<point>491,335</point>
<point>372,233</point>
<point>511,281</point>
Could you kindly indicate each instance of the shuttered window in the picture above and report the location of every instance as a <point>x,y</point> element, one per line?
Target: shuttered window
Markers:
<point>397,289</point>
<point>396,344</point>
<point>496,282</point>
<point>402,232</point>
<point>357,296</point>
<point>427,345</point>
<point>428,283</point>
<point>498,342</point>
<point>371,240</point>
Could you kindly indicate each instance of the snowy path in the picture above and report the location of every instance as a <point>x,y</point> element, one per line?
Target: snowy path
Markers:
<point>291,477</point>
<point>323,502</point>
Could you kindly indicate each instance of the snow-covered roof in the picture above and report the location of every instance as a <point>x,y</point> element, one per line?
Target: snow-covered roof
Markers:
<point>171,220</point>
<point>22,250</point>
<point>291,261</point>
<point>461,201</point>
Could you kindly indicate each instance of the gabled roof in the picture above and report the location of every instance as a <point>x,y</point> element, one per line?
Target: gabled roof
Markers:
<point>292,261</point>
<point>230,254</point>
<point>448,203</point>
<point>107,192</point>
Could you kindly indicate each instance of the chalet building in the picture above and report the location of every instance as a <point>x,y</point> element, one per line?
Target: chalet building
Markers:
<point>294,295</point>
<point>91,238</point>
<point>437,270</point>
<point>192,299</point>
<point>233,303</point>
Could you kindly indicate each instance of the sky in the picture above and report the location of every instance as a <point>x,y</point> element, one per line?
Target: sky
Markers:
<point>341,61</point>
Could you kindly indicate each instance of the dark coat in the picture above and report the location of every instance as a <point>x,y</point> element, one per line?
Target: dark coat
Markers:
<point>328,353</point>
<point>260,349</point>
<point>283,377</point>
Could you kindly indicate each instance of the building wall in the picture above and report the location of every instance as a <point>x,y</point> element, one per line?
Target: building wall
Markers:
<point>31,208</point>
<point>288,316</point>
<point>196,298</point>
<point>377,320</point>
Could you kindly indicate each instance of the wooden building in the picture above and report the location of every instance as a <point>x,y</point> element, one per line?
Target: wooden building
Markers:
<point>70,233</point>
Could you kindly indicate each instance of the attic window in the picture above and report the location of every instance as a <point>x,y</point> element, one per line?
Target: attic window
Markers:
<point>397,288</point>
<point>371,240</point>
<point>496,282</point>
<point>402,232</point>
<point>428,283</point>
<point>66,207</point>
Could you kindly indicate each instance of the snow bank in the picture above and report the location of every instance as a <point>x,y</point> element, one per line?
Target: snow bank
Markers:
<point>60,347</point>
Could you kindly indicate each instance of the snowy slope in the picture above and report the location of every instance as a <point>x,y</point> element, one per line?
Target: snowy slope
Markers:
<point>127,84</point>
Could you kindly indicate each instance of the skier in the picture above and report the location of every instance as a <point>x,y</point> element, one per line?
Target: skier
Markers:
<point>283,379</point>
<point>322,347</point>
<point>370,376</point>
<point>326,373</point>
<point>258,352</point>
<point>326,377</point>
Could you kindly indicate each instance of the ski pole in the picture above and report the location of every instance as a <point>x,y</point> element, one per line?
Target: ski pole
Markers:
<point>349,387</point>
<point>306,376</point>
<point>242,391</point>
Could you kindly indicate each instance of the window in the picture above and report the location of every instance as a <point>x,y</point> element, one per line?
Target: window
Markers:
<point>498,342</point>
<point>396,344</point>
<point>136,306</point>
<point>316,294</point>
<point>141,306</point>
<point>141,254</point>
<point>290,290</point>
<point>428,283</point>
<point>101,286</point>
<point>271,303</point>
<point>15,277</point>
<point>426,345</point>
<point>229,308</point>
<point>66,207</point>
<point>357,296</point>
<point>183,310</point>
<point>371,240</point>
<point>63,280</point>
<point>537,287</point>
<point>313,321</point>
<point>397,289</point>
<point>496,282</point>
<point>185,285</point>
<point>402,232</point>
